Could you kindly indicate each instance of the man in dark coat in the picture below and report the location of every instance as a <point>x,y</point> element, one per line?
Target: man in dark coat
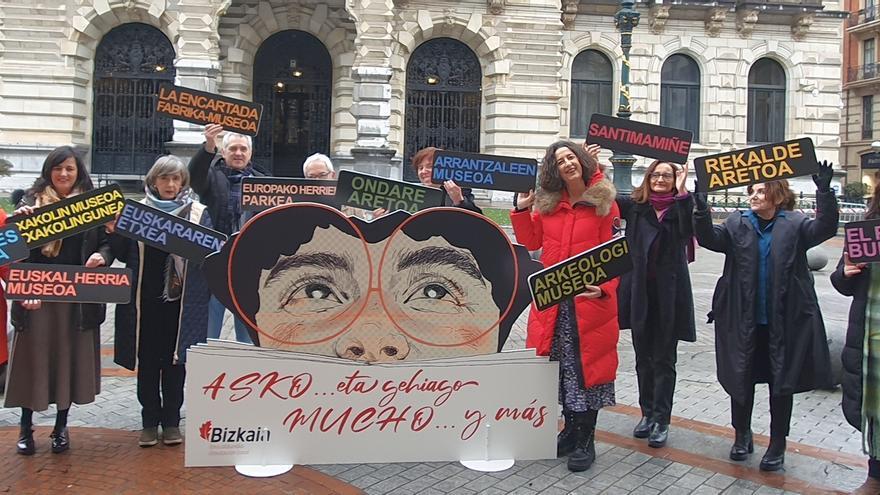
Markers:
<point>789,350</point>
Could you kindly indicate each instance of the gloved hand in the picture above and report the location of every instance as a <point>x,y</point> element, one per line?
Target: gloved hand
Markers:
<point>823,178</point>
<point>701,198</point>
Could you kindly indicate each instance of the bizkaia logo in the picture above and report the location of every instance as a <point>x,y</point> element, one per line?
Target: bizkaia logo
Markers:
<point>232,435</point>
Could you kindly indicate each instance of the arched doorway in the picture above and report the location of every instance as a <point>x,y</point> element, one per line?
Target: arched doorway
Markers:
<point>292,79</point>
<point>443,98</point>
<point>130,63</point>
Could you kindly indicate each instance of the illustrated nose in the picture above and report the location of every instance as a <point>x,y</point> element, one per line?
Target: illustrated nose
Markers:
<point>373,337</point>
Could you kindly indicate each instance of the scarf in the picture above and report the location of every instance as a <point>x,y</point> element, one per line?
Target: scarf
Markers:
<point>871,370</point>
<point>46,197</point>
<point>661,202</point>
<point>234,206</point>
<point>174,264</point>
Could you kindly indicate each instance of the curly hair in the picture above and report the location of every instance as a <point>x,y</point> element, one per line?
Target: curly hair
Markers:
<point>549,178</point>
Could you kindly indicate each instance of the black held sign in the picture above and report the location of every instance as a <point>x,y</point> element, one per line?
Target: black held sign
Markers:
<point>755,165</point>
<point>370,192</point>
<point>199,107</point>
<point>501,173</point>
<point>261,193</point>
<point>168,232</point>
<point>631,136</point>
<point>571,277</point>
<point>68,283</point>
<point>12,245</point>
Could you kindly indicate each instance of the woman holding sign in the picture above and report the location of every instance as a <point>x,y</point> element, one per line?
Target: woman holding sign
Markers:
<point>423,164</point>
<point>573,211</point>
<point>768,325</point>
<point>168,309</point>
<point>55,353</point>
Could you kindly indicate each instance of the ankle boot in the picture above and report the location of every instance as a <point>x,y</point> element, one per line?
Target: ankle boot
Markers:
<point>25,445</point>
<point>585,449</point>
<point>774,458</point>
<point>60,440</point>
<point>742,445</point>
<point>643,428</point>
<point>566,439</point>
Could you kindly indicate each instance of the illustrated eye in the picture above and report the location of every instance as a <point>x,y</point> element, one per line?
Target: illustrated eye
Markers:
<point>318,291</point>
<point>316,296</point>
<point>434,291</point>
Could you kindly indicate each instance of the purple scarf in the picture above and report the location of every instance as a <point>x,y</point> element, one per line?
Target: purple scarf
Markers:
<point>661,202</point>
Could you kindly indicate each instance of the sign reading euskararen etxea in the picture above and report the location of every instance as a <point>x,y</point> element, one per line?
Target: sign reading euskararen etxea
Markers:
<point>631,136</point>
<point>199,107</point>
<point>12,245</point>
<point>571,277</point>
<point>862,241</point>
<point>501,173</point>
<point>260,193</point>
<point>370,192</point>
<point>69,216</point>
<point>168,232</point>
<point>755,165</point>
<point>68,283</point>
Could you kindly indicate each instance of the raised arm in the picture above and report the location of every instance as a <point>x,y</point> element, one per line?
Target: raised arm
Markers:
<point>712,237</point>
<point>527,226</point>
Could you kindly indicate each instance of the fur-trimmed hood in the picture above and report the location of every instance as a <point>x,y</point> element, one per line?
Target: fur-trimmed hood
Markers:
<point>600,193</point>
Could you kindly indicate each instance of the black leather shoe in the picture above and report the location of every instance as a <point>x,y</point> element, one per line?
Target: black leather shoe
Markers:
<point>60,441</point>
<point>774,458</point>
<point>742,446</point>
<point>659,435</point>
<point>643,429</point>
<point>25,445</point>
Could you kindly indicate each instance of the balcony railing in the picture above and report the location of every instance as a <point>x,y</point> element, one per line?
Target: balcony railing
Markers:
<point>863,72</point>
<point>867,14</point>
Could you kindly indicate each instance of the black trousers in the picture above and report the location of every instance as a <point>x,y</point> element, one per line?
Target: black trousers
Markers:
<point>780,405</point>
<point>159,409</point>
<point>656,355</point>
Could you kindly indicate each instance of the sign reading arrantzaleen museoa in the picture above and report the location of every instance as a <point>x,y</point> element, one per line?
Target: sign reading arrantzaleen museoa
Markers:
<point>755,165</point>
<point>12,245</point>
<point>68,283</point>
<point>69,216</point>
<point>199,107</point>
<point>631,136</point>
<point>501,173</point>
<point>862,241</point>
<point>571,277</point>
<point>370,192</point>
<point>428,299</point>
<point>261,193</point>
<point>167,232</point>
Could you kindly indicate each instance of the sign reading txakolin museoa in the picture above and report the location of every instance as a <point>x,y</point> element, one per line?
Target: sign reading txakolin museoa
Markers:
<point>571,277</point>
<point>168,232</point>
<point>12,245</point>
<point>631,136</point>
<point>862,241</point>
<point>68,283</point>
<point>501,173</point>
<point>69,216</point>
<point>755,165</point>
<point>261,193</point>
<point>200,107</point>
<point>370,192</point>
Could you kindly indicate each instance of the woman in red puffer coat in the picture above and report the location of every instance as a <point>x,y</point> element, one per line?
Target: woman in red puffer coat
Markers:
<point>574,211</point>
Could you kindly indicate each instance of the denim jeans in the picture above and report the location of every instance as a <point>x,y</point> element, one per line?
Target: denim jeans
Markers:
<point>216,311</point>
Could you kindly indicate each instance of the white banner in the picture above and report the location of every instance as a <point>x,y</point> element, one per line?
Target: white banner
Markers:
<point>257,406</point>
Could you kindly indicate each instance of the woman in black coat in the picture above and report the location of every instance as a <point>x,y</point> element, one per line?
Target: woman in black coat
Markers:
<point>768,326</point>
<point>655,298</point>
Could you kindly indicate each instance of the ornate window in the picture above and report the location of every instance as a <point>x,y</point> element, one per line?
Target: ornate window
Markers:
<point>766,117</point>
<point>680,94</point>
<point>592,85</point>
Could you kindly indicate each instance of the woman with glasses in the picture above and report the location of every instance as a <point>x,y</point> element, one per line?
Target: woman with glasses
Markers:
<point>573,211</point>
<point>768,325</point>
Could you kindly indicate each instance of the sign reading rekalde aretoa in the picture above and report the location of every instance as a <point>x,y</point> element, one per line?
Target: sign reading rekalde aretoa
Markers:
<point>502,173</point>
<point>571,277</point>
<point>370,192</point>
<point>631,136</point>
<point>69,216</point>
<point>862,241</point>
<point>12,245</point>
<point>167,232</point>
<point>261,193</point>
<point>199,107</point>
<point>755,165</point>
<point>68,283</point>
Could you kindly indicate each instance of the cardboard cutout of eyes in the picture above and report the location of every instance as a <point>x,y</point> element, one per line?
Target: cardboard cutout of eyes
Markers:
<point>441,283</point>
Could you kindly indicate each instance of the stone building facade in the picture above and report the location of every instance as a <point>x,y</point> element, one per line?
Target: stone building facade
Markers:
<point>370,81</point>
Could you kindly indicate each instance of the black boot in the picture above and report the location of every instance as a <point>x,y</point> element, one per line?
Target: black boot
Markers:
<point>643,428</point>
<point>742,445</point>
<point>585,449</point>
<point>873,468</point>
<point>566,439</point>
<point>775,456</point>
<point>659,435</point>
<point>25,445</point>
<point>60,440</point>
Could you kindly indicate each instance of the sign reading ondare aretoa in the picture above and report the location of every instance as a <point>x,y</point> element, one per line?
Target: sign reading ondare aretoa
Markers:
<point>862,241</point>
<point>501,173</point>
<point>200,107</point>
<point>755,165</point>
<point>261,193</point>
<point>258,406</point>
<point>68,283</point>
<point>370,192</point>
<point>12,245</point>
<point>571,277</point>
<point>639,138</point>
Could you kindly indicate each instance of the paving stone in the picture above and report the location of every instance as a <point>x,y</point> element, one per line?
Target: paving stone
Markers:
<point>449,484</point>
<point>512,482</point>
<point>720,481</point>
<point>661,481</point>
<point>676,470</point>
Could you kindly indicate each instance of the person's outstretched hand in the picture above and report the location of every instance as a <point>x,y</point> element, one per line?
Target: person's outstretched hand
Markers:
<point>823,178</point>
<point>701,198</point>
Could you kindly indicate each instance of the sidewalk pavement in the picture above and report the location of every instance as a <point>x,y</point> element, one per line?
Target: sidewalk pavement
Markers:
<point>823,456</point>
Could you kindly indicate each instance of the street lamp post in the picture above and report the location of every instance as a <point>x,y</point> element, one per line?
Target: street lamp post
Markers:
<point>625,20</point>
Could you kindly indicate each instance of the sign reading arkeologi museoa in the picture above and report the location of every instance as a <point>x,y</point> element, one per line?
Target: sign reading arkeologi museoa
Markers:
<point>12,245</point>
<point>69,216</point>
<point>260,193</point>
<point>631,136</point>
<point>862,241</point>
<point>68,283</point>
<point>871,160</point>
<point>168,232</point>
<point>755,165</point>
<point>501,173</point>
<point>571,277</point>
<point>370,192</point>
<point>249,409</point>
<point>199,107</point>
